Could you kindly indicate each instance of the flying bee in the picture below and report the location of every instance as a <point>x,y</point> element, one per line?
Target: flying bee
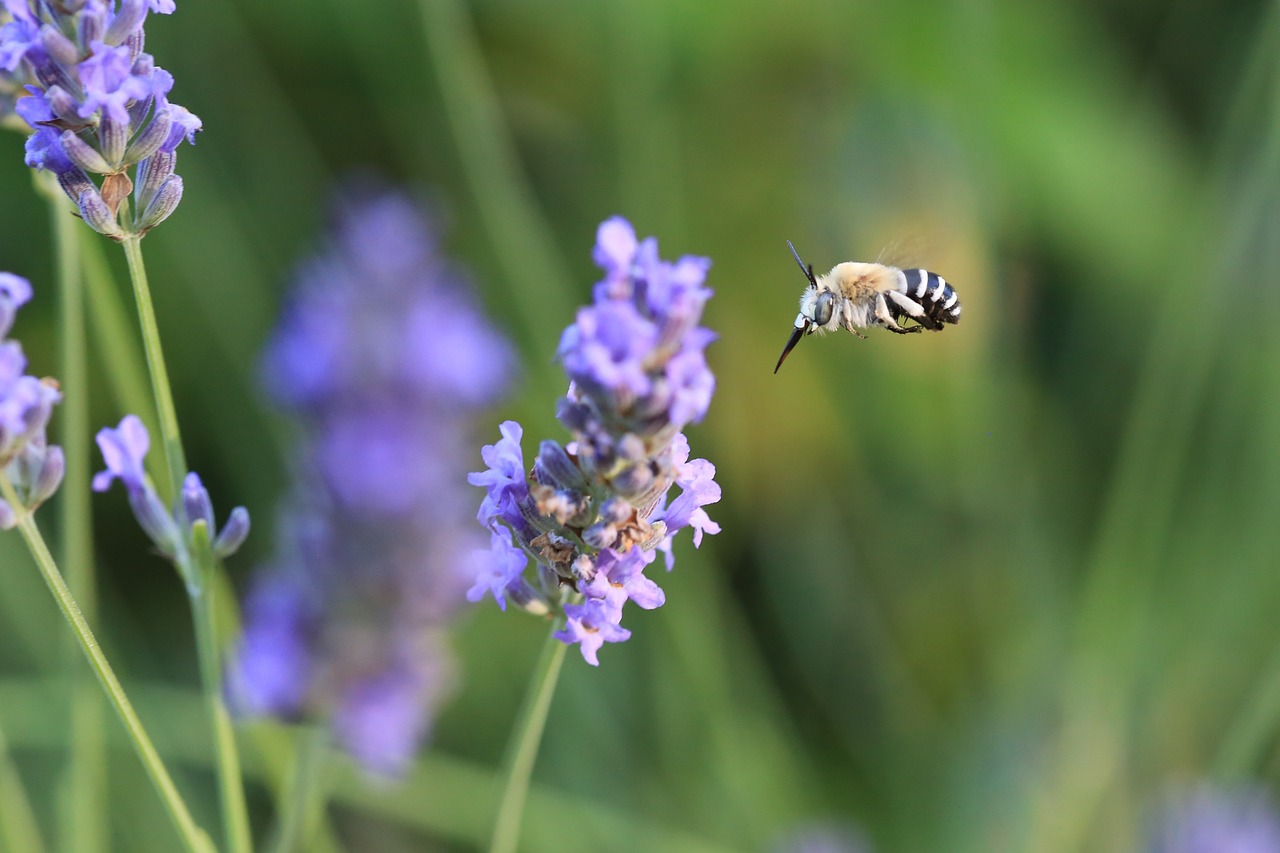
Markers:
<point>856,295</point>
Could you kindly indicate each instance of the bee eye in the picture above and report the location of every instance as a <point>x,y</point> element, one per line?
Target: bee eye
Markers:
<point>822,310</point>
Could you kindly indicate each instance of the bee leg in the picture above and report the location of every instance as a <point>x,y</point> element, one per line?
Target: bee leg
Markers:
<point>885,318</point>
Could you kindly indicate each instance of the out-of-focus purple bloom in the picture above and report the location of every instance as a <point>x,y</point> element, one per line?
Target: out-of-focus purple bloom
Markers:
<point>124,450</point>
<point>594,511</point>
<point>15,291</point>
<point>34,467</point>
<point>381,720</point>
<point>1210,821</point>
<point>382,357</point>
<point>95,103</point>
<point>822,837</point>
<point>273,664</point>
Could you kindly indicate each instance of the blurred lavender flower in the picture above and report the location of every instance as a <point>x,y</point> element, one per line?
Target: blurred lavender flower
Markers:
<point>593,513</point>
<point>1211,821</point>
<point>382,357</point>
<point>822,837</point>
<point>96,104</point>
<point>33,466</point>
<point>124,450</point>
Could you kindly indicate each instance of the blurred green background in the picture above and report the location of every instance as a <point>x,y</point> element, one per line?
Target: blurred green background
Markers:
<point>1000,589</point>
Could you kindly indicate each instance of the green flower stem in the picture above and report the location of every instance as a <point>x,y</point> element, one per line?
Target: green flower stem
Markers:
<point>308,789</point>
<point>169,435</point>
<point>18,827</point>
<point>193,837</point>
<point>116,345</point>
<point>82,817</point>
<point>235,813</point>
<point>523,750</point>
<point>199,577</point>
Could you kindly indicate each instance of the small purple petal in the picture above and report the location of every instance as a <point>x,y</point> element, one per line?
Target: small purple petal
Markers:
<point>615,247</point>
<point>124,450</point>
<point>497,568</point>
<point>505,477</point>
<point>588,625</point>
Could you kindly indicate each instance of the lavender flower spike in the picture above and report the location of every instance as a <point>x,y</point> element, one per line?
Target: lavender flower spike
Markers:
<point>95,104</point>
<point>592,513</point>
<point>382,357</point>
<point>31,465</point>
<point>1218,821</point>
<point>124,450</point>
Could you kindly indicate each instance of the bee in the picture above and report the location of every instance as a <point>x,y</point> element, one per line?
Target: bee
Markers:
<point>855,295</point>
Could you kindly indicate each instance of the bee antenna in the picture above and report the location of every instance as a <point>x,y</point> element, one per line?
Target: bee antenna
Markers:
<point>807,269</point>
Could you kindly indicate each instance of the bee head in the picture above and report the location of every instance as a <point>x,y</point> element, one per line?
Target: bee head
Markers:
<point>815,308</point>
<point>822,308</point>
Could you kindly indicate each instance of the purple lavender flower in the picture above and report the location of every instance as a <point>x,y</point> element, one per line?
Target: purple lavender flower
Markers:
<point>594,512</point>
<point>591,625</point>
<point>382,357</point>
<point>822,837</point>
<point>505,478</point>
<point>31,465</point>
<point>95,103</point>
<point>124,450</point>
<point>1209,821</point>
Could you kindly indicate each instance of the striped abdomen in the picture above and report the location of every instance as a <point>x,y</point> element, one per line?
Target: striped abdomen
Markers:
<point>931,292</point>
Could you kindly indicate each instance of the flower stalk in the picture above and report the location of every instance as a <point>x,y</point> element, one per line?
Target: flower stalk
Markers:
<point>194,839</point>
<point>522,753</point>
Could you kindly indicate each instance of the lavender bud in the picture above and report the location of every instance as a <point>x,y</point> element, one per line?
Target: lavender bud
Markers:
<point>600,535</point>
<point>233,534</point>
<point>634,480</point>
<point>632,448</point>
<point>551,581</point>
<point>48,478</point>
<point>555,468</point>
<point>94,211</point>
<point>91,29</point>
<point>74,182</point>
<point>154,519</point>
<point>616,510</point>
<point>83,154</point>
<point>162,205</point>
<point>152,174</point>
<point>7,519</point>
<point>531,514</point>
<point>61,49</point>
<point>113,136</point>
<point>147,143</point>
<point>64,107</point>
<point>128,20</point>
<point>528,599</point>
<point>196,504</point>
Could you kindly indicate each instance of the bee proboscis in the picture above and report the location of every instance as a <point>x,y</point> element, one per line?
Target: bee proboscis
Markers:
<point>855,295</point>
